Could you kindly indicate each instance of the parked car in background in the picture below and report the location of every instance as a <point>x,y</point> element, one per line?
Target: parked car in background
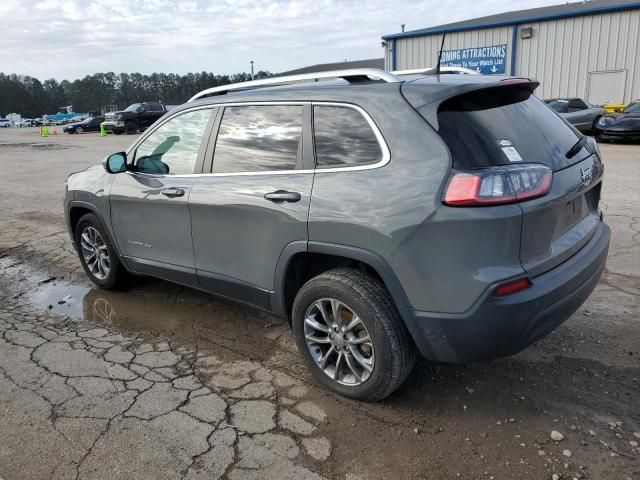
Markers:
<point>135,117</point>
<point>380,213</point>
<point>5,123</point>
<point>25,122</point>
<point>90,124</point>
<point>577,112</point>
<point>624,125</point>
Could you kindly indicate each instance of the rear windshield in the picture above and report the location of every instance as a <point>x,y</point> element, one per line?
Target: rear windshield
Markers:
<point>502,126</point>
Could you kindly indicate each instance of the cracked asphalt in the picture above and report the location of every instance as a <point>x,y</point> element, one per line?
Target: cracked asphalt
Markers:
<point>165,382</point>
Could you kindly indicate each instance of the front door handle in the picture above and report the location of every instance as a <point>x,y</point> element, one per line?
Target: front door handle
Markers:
<point>283,196</point>
<point>172,192</point>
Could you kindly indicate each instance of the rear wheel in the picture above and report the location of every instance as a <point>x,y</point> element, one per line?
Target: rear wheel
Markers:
<point>98,257</point>
<point>351,336</point>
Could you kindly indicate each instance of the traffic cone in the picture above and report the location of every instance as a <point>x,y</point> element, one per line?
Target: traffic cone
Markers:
<point>45,131</point>
<point>41,132</point>
<point>103,132</point>
<point>54,131</point>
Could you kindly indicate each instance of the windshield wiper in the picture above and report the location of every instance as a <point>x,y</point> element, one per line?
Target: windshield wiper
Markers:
<point>573,151</point>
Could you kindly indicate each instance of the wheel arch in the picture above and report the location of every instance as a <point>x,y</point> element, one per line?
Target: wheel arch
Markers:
<point>76,210</point>
<point>300,261</point>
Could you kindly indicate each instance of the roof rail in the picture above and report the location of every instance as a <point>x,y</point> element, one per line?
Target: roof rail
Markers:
<point>353,75</point>
<point>432,71</point>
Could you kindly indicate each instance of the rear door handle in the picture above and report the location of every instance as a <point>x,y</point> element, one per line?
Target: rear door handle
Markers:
<point>172,192</point>
<point>283,196</point>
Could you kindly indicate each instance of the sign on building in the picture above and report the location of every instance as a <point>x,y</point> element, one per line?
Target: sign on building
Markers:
<point>485,60</point>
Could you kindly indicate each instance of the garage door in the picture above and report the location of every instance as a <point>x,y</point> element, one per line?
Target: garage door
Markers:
<point>606,87</point>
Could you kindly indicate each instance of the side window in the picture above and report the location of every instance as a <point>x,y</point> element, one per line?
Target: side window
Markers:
<point>259,139</point>
<point>173,148</point>
<point>155,107</point>
<point>577,104</point>
<point>343,138</point>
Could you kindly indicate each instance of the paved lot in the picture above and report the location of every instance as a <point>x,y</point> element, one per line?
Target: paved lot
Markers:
<point>165,382</point>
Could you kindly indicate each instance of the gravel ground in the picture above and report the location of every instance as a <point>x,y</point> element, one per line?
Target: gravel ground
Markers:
<point>164,382</point>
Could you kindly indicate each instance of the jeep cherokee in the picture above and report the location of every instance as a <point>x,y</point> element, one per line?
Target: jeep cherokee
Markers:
<point>454,215</point>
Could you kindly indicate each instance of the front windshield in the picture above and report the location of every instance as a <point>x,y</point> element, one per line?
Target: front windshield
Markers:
<point>133,107</point>
<point>632,108</point>
<point>561,106</point>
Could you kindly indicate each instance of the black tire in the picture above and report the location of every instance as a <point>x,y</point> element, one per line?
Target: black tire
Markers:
<point>79,130</point>
<point>369,299</point>
<point>117,277</point>
<point>117,132</point>
<point>130,128</point>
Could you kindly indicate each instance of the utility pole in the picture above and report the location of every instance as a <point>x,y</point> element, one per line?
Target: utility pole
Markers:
<point>251,69</point>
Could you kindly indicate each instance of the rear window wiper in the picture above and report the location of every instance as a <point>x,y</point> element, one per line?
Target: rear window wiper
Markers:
<point>573,151</point>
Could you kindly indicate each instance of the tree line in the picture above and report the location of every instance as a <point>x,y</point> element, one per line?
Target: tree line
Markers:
<point>32,98</point>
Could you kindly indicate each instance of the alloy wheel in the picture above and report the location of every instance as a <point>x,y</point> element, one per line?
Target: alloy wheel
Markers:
<point>339,342</point>
<point>95,252</point>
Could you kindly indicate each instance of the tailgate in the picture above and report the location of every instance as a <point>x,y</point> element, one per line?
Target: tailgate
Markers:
<point>559,224</point>
<point>507,127</point>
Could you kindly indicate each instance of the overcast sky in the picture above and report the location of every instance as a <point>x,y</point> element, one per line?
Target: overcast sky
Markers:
<point>72,38</point>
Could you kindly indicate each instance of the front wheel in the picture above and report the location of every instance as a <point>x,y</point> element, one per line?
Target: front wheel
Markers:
<point>98,257</point>
<point>350,334</point>
<point>79,130</point>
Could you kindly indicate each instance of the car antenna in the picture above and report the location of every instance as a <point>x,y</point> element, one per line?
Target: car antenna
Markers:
<point>444,34</point>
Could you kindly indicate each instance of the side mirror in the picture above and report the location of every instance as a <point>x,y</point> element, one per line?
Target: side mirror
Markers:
<point>115,163</point>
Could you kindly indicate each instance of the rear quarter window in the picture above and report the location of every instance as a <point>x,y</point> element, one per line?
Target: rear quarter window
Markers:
<point>343,138</point>
<point>480,127</point>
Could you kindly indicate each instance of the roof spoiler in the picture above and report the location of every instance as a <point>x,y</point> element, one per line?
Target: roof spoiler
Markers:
<point>427,102</point>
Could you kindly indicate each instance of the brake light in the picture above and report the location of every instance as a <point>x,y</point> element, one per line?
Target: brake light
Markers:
<point>498,185</point>
<point>512,287</point>
<point>510,81</point>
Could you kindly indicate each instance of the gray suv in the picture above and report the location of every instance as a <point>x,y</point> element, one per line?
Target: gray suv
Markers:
<point>383,214</point>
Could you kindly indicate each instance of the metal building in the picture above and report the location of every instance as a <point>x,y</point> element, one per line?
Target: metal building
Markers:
<point>587,49</point>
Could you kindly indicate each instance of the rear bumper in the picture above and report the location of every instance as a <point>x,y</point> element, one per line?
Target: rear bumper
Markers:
<point>498,327</point>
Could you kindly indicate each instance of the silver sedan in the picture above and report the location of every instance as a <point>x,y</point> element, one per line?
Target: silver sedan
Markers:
<point>577,112</point>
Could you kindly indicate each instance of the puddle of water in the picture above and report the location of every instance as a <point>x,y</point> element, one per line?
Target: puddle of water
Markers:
<point>150,306</point>
<point>58,297</point>
<point>37,146</point>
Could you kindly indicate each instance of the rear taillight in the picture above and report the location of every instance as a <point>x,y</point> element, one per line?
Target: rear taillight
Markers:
<point>498,185</point>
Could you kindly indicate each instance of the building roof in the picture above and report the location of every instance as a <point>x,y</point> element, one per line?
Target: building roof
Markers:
<point>552,12</point>
<point>326,67</point>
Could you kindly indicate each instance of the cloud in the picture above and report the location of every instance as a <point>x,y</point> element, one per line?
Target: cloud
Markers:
<point>73,38</point>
